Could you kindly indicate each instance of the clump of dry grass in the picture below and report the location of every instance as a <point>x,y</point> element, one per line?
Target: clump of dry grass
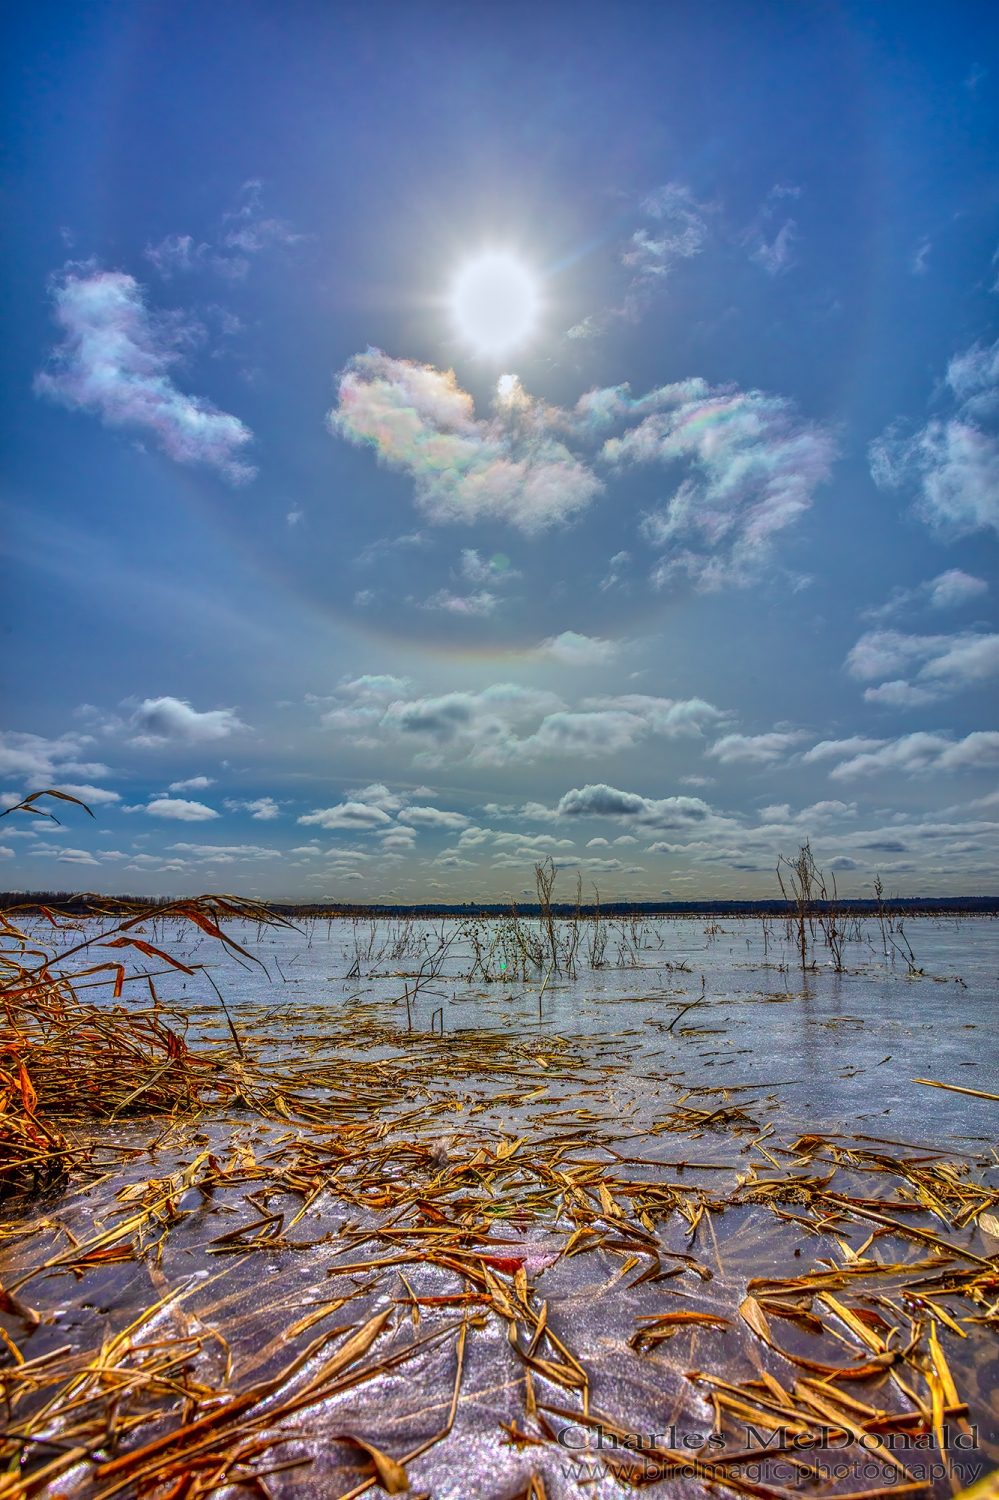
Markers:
<point>65,1060</point>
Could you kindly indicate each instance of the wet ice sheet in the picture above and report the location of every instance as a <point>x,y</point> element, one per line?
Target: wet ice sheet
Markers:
<point>748,1014</point>
<point>836,1048</point>
<point>250,1290</point>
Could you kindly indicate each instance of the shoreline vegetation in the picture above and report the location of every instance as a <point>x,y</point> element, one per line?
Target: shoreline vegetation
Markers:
<point>290,1249</point>
<point>83,903</point>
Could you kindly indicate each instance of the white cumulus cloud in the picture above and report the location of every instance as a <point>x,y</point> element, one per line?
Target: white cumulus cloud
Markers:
<point>355,817</point>
<point>856,744</point>
<point>936,666</point>
<point>432,817</point>
<point>179,810</point>
<point>262,809</point>
<point>226,852</point>
<point>506,724</point>
<point>76,857</point>
<point>164,721</point>
<point>602,801</point>
<point>42,762</point>
<point>952,464</point>
<point>572,650</point>
<point>951,589</point>
<point>924,754</point>
<point>756,749</point>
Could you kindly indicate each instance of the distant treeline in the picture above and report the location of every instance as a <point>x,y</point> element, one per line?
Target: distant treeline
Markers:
<point>82,903</point>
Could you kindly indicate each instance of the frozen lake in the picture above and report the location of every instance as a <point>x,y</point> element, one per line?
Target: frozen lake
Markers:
<point>546,1189</point>
<point>831,1049</point>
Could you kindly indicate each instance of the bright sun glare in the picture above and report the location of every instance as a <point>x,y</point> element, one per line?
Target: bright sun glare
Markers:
<point>495,302</point>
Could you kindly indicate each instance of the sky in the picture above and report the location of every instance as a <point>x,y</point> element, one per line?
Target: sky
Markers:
<point>437,438</point>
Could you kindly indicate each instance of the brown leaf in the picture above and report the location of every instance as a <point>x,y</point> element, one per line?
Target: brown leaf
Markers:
<point>359,1344</point>
<point>391,1474</point>
<point>664,1320</point>
<point>752,1313</point>
<point>18,1309</point>
<point>799,1315</point>
<point>149,950</point>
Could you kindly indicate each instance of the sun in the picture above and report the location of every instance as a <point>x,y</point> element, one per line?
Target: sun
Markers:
<point>495,303</point>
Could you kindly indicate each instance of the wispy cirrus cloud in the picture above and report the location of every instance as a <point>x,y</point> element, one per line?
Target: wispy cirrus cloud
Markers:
<point>246,231</point>
<point>952,589</point>
<point>952,464</point>
<point>495,570</point>
<point>247,228</point>
<point>672,226</point>
<point>175,254</point>
<point>746,464</point>
<point>677,230</point>
<point>115,362</point>
<point>778,255</point>
<point>944,665</point>
<point>773,251</point>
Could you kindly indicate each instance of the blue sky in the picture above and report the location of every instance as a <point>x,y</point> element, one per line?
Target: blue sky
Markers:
<point>436,437</point>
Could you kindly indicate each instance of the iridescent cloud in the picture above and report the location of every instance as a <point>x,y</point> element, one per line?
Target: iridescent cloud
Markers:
<point>114,361</point>
<point>419,420</point>
<point>746,464</point>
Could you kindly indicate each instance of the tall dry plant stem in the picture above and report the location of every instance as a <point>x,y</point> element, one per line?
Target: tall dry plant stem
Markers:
<point>545,875</point>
